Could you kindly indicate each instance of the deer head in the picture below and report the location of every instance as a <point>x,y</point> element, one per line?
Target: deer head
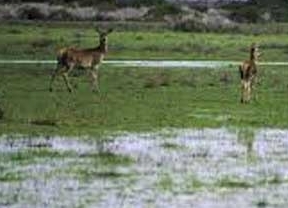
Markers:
<point>254,52</point>
<point>103,34</point>
<point>103,39</point>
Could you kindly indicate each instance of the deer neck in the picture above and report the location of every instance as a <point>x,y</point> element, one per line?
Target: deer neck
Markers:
<point>252,55</point>
<point>103,47</point>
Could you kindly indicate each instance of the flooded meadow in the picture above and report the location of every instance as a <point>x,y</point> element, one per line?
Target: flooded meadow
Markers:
<point>201,168</point>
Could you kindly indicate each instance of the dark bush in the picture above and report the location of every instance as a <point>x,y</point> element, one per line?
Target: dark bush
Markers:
<point>138,3</point>
<point>60,14</point>
<point>160,10</point>
<point>32,12</point>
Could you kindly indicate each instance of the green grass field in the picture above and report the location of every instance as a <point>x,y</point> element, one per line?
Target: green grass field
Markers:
<point>138,99</point>
<point>40,41</point>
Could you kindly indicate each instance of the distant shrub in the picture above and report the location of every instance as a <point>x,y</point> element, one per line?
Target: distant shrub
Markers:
<point>137,3</point>
<point>60,13</point>
<point>82,13</point>
<point>197,21</point>
<point>123,14</point>
<point>7,12</point>
<point>33,11</point>
<point>159,11</point>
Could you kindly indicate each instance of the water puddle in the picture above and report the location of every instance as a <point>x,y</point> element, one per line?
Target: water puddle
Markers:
<point>155,63</point>
<point>170,168</point>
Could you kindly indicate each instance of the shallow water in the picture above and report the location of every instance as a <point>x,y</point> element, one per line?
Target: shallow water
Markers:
<point>170,168</point>
<point>155,63</point>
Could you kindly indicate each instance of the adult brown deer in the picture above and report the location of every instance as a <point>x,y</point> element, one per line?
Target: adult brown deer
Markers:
<point>89,59</point>
<point>248,72</point>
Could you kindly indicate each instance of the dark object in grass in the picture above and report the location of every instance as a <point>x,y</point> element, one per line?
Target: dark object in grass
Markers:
<point>44,122</point>
<point>225,78</point>
<point>40,145</point>
<point>262,204</point>
<point>1,113</point>
<point>158,80</point>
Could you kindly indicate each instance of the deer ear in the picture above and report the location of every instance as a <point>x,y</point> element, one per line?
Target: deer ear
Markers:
<point>98,30</point>
<point>110,30</point>
<point>254,45</point>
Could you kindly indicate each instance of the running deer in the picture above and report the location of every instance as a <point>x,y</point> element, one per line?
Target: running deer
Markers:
<point>248,72</point>
<point>89,59</point>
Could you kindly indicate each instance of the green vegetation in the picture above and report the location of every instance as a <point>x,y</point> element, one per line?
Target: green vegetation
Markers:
<point>10,160</point>
<point>194,183</point>
<point>31,155</point>
<point>246,136</point>
<point>228,182</point>
<point>10,176</point>
<point>127,103</point>
<point>165,183</point>
<point>108,158</point>
<point>41,42</point>
<point>100,165</point>
<point>253,10</point>
<point>137,99</point>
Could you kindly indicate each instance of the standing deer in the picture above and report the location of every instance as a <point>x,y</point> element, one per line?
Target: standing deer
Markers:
<point>88,59</point>
<point>248,72</point>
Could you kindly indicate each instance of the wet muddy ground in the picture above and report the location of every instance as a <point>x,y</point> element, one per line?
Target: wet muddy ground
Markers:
<point>170,168</point>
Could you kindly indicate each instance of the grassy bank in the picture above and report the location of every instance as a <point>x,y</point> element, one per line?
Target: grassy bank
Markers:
<point>138,100</point>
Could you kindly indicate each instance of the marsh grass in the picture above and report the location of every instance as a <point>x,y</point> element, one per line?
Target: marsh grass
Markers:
<point>165,183</point>
<point>87,174</point>
<point>11,176</point>
<point>195,184</point>
<point>246,136</point>
<point>171,146</point>
<point>91,166</point>
<point>228,182</point>
<point>31,155</point>
<point>108,158</point>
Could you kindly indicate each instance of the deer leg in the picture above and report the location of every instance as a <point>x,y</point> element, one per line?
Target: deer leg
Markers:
<point>66,79</point>
<point>254,82</point>
<point>242,91</point>
<point>245,91</point>
<point>52,80</point>
<point>93,73</point>
<point>55,73</point>
<point>248,91</point>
